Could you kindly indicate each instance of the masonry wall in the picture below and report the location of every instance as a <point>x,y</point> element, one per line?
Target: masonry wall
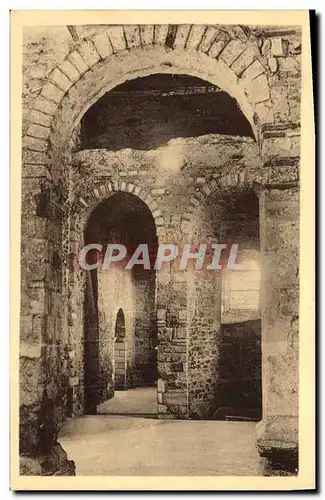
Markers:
<point>171,186</point>
<point>264,65</point>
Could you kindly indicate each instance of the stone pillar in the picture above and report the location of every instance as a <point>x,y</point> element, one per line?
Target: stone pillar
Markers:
<point>41,355</point>
<point>277,438</point>
<point>172,346</point>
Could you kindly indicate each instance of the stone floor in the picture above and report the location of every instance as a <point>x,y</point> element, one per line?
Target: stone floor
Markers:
<point>139,401</point>
<point>111,443</point>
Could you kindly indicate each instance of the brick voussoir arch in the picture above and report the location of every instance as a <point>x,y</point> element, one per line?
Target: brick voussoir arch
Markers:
<point>235,59</point>
<point>238,181</point>
<point>85,204</point>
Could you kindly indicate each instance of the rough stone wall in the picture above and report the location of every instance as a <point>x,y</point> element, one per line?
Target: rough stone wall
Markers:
<point>145,363</point>
<point>172,174</point>
<point>116,292</point>
<point>227,217</point>
<point>260,67</point>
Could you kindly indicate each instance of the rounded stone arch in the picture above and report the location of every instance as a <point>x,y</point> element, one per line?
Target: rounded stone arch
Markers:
<point>120,324</point>
<point>242,180</point>
<point>224,56</point>
<point>86,202</point>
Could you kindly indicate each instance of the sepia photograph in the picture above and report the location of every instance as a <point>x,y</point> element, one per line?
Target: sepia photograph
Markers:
<point>159,277</point>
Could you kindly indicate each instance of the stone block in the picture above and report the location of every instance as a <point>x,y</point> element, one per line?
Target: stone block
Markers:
<point>161,385</point>
<point>265,112</point>
<point>181,332</point>
<point>25,327</point>
<point>161,314</point>
<point>162,409</point>
<point>165,334</point>
<point>159,221</point>
<point>266,46</point>
<point>231,51</point>
<point>177,398</point>
<point>146,33</point>
<point>132,35</point>
<point>161,231</point>
<point>161,31</point>
<point>288,65</point>
<point>40,118</point>
<point>195,36</point>
<point>35,144</point>
<point>277,46</point>
<point>258,89</point>
<point>31,351</point>
<point>77,61</point>
<point>244,61</point>
<point>217,47</point>
<point>181,35</point>
<point>38,131</point>
<point>208,39</point>
<point>185,226</point>
<point>273,65</point>
<point>278,435</point>
<point>69,70</point>
<point>60,79</point>
<point>46,106</point>
<point>116,36</point>
<point>52,92</point>
<point>253,71</point>
<point>88,52</point>
<point>73,381</point>
<point>102,44</point>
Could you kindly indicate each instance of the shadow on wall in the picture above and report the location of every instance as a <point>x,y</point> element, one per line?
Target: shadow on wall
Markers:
<point>240,377</point>
<point>137,114</point>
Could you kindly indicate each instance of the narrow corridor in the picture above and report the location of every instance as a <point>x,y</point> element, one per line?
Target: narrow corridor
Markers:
<point>139,401</point>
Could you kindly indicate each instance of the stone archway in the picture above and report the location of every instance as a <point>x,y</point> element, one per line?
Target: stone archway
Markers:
<point>227,57</point>
<point>99,323</point>
<point>120,354</point>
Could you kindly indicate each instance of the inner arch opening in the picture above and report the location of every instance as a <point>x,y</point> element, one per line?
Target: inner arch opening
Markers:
<point>119,309</point>
<point>146,113</point>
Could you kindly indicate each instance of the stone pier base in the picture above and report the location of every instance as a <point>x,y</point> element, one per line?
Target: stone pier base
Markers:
<point>55,463</point>
<point>277,441</point>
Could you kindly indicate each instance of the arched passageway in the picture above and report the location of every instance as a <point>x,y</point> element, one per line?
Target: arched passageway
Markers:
<point>119,312</point>
<point>120,352</point>
<point>173,160</point>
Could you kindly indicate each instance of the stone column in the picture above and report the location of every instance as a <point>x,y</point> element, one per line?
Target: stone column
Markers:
<point>41,355</point>
<point>172,345</point>
<point>279,227</point>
